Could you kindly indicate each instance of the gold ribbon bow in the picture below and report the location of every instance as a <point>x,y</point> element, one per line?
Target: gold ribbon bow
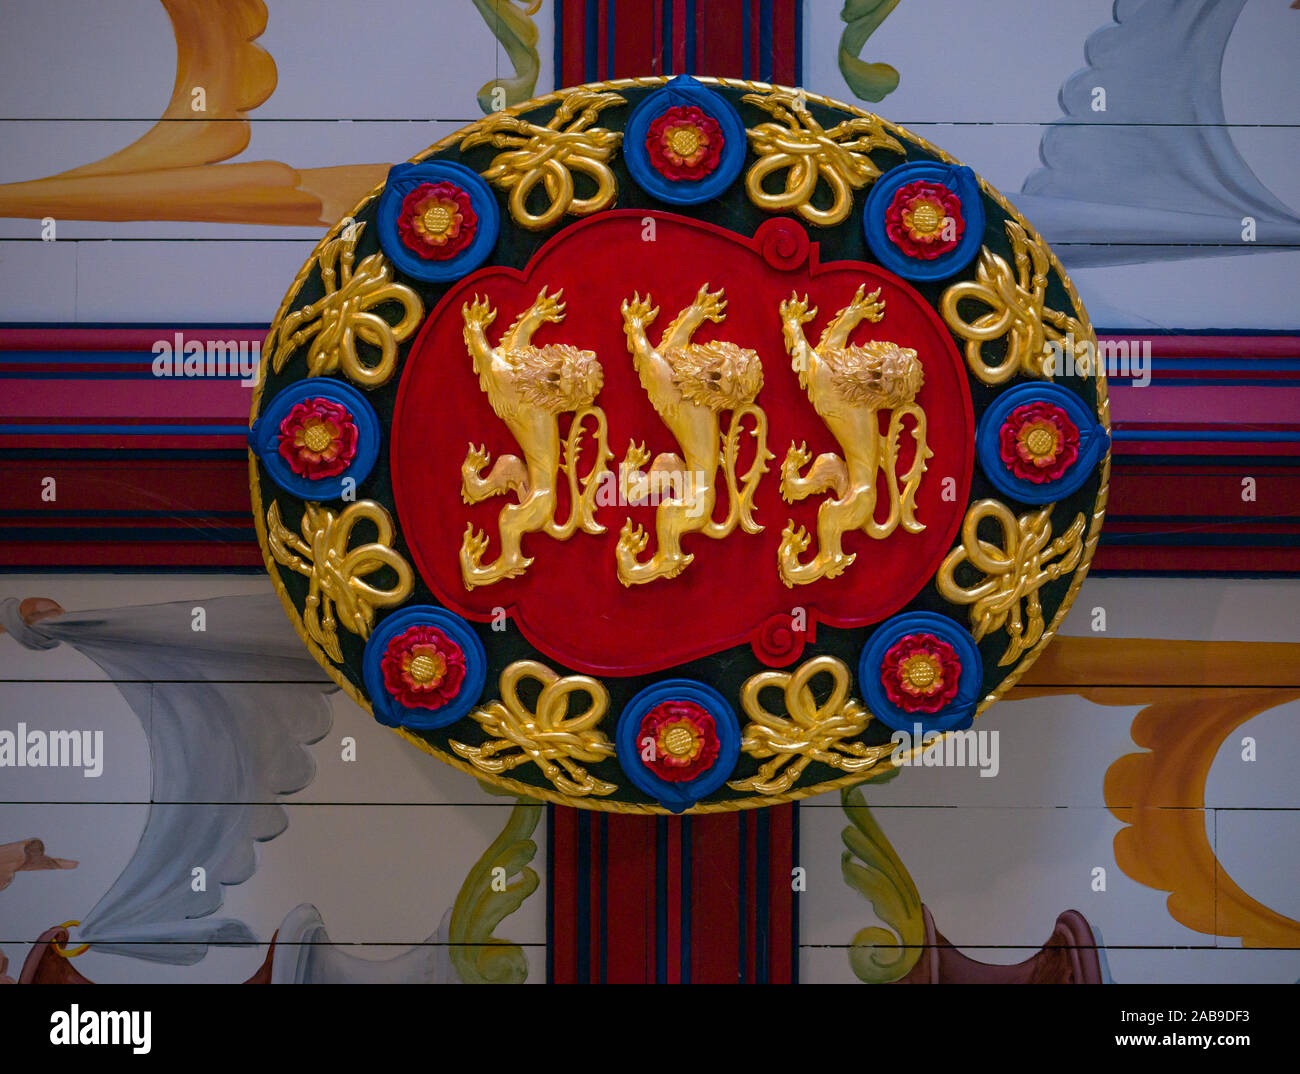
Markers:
<point>334,571</point>
<point>812,732</point>
<point>544,735</point>
<point>1013,568</point>
<point>336,321</point>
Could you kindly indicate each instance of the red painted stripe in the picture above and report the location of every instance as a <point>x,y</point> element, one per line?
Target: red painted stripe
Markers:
<point>174,402</point>
<point>783,44</point>
<point>154,554</point>
<point>673,924</point>
<point>598,866</point>
<point>602,41</point>
<point>106,485</point>
<point>657,46</point>
<point>1209,446</point>
<point>679,36</point>
<point>715,929</point>
<point>1205,346</point>
<point>1183,560</point>
<point>636,46</point>
<point>780,894</point>
<point>1160,493</point>
<point>757,874</point>
<point>630,857</point>
<point>573,46</point>
<point>40,338</point>
<point>718,37</point>
<point>1190,407</point>
<point>561,870</point>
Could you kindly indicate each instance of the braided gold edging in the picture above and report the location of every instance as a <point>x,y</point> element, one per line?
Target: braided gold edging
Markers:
<point>761,801</point>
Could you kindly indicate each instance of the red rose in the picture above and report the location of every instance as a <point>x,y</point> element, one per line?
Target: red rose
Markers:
<point>318,438</point>
<point>423,668</point>
<point>1038,442</point>
<point>437,221</point>
<point>924,220</point>
<point>684,142</point>
<point>683,740</point>
<point>920,673</point>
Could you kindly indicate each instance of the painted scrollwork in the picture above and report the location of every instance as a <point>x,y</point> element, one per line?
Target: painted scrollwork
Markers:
<point>335,322</point>
<point>1014,569</point>
<point>810,732</point>
<point>544,734</point>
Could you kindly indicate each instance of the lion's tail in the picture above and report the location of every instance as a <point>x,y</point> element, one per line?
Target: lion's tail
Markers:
<point>582,494</point>
<point>740,494</point>
<point>902,506</point>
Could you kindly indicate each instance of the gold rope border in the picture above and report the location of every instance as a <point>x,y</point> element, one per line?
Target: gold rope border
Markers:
<point>759,801</point>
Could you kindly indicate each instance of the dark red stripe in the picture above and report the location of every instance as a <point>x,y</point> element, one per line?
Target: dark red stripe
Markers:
<point>560,873</point>
<point>574,28</point>
<point>784,45</point>
<point>715,947</point>
<point>673,925</point>
<point>718,42</point>
<point>630,899</point>
<point>636,43</point>
<point>780,924</point>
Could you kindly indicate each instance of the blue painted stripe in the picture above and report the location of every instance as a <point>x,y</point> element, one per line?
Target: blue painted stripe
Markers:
<point>686,899</point>
<point>744,39</point>
<point>661,900</point>
<point>691,33</point>
<point>582,925</point>
<point>762,896</point>
<point>765,41</point>
<point>609,38</point>
<point>557,73</point>
<point>590,45</point>
<point>1273,436</point>
<point>667,9</point>
<point>1205,540</point>
<point>125,430</point>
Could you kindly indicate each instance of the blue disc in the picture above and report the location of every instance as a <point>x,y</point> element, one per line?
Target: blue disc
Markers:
<point>402,179</point>
<point>962,182</point>
<point>678,797</point>
<point>388,710</point>
<point>264,438</point>
<point>684,91</point>
<point>958,713</point>
<point>1093,443</point>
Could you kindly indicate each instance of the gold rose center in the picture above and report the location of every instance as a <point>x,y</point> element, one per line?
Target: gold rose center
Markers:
<point>436,220</point>
<point>684,141</point>
<point>317,438</point>
<point>919,671</point>
<point>1040,442</point>
<point>926,218</point>
<point>426,669</point>
<point>678,741</point>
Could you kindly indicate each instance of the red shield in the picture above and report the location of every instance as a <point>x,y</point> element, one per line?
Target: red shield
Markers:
<point>570,603</point>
